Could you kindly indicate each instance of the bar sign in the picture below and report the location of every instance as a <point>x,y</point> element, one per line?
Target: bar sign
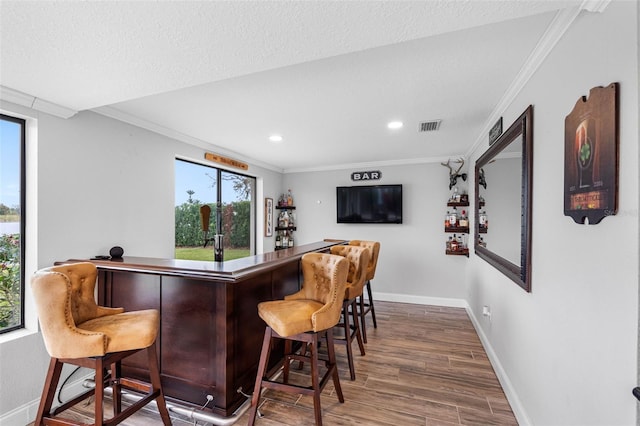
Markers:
<point>369,175</point>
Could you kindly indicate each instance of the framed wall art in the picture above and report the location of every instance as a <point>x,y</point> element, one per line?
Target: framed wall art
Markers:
<point>591,156</point>
<point>268,217</point>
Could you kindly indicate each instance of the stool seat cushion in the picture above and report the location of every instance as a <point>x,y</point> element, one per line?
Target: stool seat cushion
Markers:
<point>290,317</point>
<point>126,331</point>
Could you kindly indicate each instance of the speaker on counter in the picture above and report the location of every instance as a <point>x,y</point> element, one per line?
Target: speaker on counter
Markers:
<point>116,252</point>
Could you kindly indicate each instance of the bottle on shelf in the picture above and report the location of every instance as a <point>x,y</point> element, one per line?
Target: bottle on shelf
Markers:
<point>483,221</point>
<point>289,198</point>
<point>290,241</point>
<point>455,196</point>
<point>454,243</point>
<point>464,221</point>
<point>278,241</point>
<point>453,218</point>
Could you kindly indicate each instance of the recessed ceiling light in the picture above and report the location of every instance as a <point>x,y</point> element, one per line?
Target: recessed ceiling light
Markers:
<point>395,125</point>
<point>275,138</point>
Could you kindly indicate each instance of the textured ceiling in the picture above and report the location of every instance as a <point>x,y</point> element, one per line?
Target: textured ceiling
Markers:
<point>327,75</point>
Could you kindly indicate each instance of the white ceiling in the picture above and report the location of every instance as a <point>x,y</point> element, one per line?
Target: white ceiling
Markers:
<point>326,75</point>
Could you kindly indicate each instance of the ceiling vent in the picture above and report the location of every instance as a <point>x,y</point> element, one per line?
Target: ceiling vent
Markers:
<point>429,126</point>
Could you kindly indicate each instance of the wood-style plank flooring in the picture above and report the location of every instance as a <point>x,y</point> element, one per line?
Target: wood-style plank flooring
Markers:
<point>424,365</point>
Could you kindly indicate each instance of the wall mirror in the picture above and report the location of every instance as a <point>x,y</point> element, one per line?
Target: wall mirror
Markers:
<point>503,187</point>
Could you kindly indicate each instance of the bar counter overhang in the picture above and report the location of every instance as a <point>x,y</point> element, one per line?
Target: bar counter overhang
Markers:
<point>210,332</point>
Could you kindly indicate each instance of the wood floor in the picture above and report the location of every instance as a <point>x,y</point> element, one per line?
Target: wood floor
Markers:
<point>424,365</point>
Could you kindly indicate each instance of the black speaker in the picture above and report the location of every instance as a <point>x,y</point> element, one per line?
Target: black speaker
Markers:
<point>116,252</point>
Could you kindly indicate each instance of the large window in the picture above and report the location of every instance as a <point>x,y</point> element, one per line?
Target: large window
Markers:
<point>12,193</point>
<point>231,199</point>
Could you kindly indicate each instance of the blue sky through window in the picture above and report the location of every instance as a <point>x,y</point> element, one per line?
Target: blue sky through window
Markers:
<point>200,179</point>
<point>9,163</point>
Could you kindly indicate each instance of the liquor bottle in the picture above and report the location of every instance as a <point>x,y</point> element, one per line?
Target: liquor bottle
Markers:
<point>291,241</point>
<point>464,222</point>
<point>447,224</point>
<point>483,222</point>
<point>448,244</point>
<point>289,198</point>
<point>453,218</point>
<point>454,243</point>
<point>278,242</point>
<point>285,241</point>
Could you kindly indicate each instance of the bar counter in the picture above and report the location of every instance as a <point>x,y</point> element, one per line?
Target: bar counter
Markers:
<point>210,332</point>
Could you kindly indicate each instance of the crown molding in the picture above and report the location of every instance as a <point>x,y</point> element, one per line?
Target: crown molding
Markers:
<point>561,22</point>
<point>597,6</point>
<point>400,162</point>
<point>116,114</point>
<point>25,100</point>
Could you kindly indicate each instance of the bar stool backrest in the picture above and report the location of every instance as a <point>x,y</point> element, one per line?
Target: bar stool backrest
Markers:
<point>358,260</point>
<point>324,280</point>
<point>374,250</point>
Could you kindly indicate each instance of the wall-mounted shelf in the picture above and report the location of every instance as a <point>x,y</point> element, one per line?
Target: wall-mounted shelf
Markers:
<point>464,252</point>
<point>457,229</point>
<point>284,234</point>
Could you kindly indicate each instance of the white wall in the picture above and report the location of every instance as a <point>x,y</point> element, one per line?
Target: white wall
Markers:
<point>412,266</point>
<point>101,183</point>
<point>569,348</point>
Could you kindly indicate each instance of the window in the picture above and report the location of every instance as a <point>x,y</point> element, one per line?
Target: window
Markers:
<point>231,198</point>
<point>12,215</point>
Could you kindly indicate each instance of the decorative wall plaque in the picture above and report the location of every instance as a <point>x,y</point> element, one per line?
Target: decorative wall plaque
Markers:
<point>268,217</point>
<point>495,132</point>
<point>591,156</point>
<point>368,175</point>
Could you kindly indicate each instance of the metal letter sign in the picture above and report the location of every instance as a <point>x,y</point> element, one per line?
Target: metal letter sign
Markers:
<point>370,175</point>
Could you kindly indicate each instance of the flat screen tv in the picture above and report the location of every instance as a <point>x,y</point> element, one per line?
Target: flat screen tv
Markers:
<point>369,204</point>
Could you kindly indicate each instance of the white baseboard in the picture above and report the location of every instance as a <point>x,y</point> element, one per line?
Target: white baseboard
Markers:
<point>509,391</point>
<point>420,300</point>
<point>26,413</point>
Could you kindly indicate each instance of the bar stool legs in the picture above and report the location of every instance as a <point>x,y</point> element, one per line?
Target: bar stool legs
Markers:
<point>351,331</point>
<point>310,340</point>
<point>365,308</point>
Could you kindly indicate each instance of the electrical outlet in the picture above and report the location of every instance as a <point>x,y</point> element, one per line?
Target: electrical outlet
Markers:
<point>486,312</point>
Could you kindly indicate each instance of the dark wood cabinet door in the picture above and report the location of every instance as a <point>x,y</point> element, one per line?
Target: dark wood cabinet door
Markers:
<point>189,338</point>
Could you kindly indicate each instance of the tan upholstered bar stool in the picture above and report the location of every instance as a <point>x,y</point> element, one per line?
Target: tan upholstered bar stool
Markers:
<point>367,307</point>
<point>303,317</point>
<point>77,331</point>
<point>358,260</point>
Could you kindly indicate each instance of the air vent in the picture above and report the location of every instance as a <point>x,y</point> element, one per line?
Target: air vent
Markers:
<point>429,126</point>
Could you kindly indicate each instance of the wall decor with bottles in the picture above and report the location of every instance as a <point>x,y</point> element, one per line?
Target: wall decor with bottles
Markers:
<point>483,222</point>
<point>456,222</point>
<point>286,223</point>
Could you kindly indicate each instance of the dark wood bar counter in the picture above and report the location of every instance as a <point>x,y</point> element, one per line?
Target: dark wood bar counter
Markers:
<point>210,332</point>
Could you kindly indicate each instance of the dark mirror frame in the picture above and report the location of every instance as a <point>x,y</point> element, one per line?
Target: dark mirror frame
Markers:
<point>520,274</point>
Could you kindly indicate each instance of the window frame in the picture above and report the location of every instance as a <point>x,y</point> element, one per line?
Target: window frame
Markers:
<point>253,243</point>
<point>23,208</point>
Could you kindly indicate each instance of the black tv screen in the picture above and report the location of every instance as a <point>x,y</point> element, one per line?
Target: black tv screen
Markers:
<point>369,204</point>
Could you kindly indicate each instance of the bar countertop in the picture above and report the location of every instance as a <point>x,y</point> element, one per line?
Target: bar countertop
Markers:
<point>231,270</point>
